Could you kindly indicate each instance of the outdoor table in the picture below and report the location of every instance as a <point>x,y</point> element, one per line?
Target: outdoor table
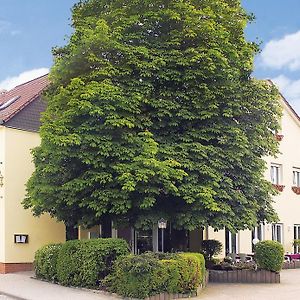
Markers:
<point>295,256</point>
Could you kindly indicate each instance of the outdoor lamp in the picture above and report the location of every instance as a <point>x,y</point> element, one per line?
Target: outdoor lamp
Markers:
<point>162,224</point>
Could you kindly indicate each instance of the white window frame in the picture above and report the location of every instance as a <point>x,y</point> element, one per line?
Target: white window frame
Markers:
<point>262,231</point>
<point>230,249</point>
<point>255,235</point>
<point>275,171</point>
<point>274,232</point>
<point>296,237</point>
<point>296,177</point>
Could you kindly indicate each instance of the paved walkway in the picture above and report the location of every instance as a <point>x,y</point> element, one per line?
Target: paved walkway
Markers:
<point>288,289</point>
<point>21,286</point>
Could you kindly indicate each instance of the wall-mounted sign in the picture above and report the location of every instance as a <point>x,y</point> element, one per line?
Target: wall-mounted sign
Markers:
<point>21,238</point>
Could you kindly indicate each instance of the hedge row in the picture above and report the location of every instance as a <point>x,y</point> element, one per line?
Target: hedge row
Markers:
<point>141,276</point>
<point>80,262</point>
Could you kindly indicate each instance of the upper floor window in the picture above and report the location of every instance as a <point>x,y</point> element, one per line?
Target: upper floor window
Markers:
<point>275,174</point>
<point>296,177</point>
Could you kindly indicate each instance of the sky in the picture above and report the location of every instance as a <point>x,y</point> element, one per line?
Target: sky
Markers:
<point>30,28</point>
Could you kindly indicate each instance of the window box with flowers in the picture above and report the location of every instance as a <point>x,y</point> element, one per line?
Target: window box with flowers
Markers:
<point>296,189</point>
<point>279,137</point>
<point>296,181</point>
<point>279,187</point>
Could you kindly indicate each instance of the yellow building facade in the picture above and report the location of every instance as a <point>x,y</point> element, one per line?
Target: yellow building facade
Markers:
<point>21,234</point>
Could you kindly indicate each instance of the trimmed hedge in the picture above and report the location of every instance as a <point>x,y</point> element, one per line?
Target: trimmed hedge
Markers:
<point>80,262</point>
<point>141,276</point>
<point>269,255</point>
<point>45,262</point>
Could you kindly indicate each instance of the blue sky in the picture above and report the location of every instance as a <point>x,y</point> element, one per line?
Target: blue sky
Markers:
<point>30,28</point>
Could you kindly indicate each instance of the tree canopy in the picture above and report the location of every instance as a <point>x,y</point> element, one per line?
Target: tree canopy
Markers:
<point>152,112</point>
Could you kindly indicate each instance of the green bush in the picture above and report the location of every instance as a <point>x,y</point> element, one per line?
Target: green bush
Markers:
<point>211,248</point>
<point>141,276</point>
<point>45,262</point>
<point>84,263</point>
<point>197,268</point>
<point>269,255</point>
<point>136,276</point>
<point>296,243</point>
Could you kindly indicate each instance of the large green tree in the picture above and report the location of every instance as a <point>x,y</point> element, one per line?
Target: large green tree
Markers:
<point>152,112</point>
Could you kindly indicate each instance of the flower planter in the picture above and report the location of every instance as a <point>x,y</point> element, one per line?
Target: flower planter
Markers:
<point>294,264</point>
<point>279,137</point>
<point>278,187</point>
<point>244,276</point>
<point>296,190</point>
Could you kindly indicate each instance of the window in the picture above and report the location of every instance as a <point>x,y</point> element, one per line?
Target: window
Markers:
<point>296,177</point>
<point>275,174</point>
<point>296,237</point>
<point>231,242</point>
<point>277,232</point>
<point>257,233</point>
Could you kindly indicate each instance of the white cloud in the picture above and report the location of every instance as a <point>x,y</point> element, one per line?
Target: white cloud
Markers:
<point>282,53</point>
<point>4,26</point>
<point>11,82</point>
<point>290,89</point>
<point>8,28</point>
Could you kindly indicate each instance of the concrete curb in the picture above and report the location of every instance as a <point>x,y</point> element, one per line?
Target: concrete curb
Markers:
<point>12,296</point>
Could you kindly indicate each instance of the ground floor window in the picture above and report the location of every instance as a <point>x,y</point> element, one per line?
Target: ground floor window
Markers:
<point>257,233</point>
<point>277,232</point>
<point>231,242</point>
<point>296,237</point>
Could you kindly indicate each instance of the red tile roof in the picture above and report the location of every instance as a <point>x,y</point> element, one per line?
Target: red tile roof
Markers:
<point>27,92</point>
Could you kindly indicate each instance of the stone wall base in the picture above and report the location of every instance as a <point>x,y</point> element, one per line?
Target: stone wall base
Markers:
<point>15,267</point>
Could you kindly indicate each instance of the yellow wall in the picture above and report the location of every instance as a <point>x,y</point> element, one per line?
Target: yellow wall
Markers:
<point>2,203</point>
<point>18,167</point>
<point>83,233</point>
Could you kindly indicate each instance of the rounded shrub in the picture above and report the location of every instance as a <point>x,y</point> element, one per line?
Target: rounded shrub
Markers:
<point>45,262</point>
<point>269,255</point>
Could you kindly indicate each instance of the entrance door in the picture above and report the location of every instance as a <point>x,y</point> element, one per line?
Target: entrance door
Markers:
<point>142,241</point>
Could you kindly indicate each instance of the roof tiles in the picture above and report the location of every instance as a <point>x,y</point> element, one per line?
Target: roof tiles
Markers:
<point>27,92</point>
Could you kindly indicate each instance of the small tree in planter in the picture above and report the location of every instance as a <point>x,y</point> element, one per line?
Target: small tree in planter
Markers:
<point>269,255</point>
<point>210,248</point>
